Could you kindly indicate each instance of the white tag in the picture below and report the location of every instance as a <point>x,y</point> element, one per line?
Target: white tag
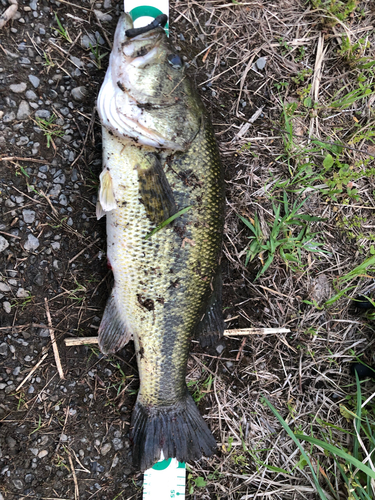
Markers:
<point>165,480</point>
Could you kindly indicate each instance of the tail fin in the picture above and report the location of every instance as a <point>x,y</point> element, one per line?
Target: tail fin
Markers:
<point>178,431</point>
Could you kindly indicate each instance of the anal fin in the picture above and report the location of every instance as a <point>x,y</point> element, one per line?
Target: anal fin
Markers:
<point>211,327</point>
<point>113,330</point>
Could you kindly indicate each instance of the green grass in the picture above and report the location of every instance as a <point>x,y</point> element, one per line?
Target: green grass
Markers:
<point>62,31</point>
<point>166,222</point>
<point>199,389</point>
<point>98,55</point>
<point>50,129</point>
<point>351,463</point>
<point>281,240</point>
<point>334,11</point>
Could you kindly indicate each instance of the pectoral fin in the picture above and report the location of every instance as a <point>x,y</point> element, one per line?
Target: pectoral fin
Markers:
<point>211,327</point>
<point>106,197</point>
<point>155,191</point>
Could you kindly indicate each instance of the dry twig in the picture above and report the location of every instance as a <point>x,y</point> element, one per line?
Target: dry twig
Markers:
<point>53,341</point>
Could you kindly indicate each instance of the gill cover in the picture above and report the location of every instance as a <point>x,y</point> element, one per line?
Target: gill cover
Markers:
<point>144,97</point>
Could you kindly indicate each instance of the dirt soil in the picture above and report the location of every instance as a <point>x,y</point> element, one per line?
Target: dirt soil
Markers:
<point>68,437</point>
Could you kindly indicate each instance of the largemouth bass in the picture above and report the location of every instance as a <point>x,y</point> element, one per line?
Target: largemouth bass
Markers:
<point>159,157</point>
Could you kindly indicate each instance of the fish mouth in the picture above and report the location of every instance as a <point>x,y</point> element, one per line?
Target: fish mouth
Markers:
<point>133,103</point>
<point>158,21</point>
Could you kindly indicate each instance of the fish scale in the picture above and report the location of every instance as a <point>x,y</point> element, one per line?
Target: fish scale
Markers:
<point>164,284</point>
<point>167,259</point>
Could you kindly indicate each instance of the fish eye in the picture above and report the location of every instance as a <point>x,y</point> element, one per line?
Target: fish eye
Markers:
<point>175,61</point>
<point>142,52</point>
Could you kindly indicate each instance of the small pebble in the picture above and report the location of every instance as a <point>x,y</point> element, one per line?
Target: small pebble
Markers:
<point>18,484</point>
<point>3,349</point>
<point>261,62</point>
<point>60,179</point>
<point>12,443</point>
<point>34,80</point>
<point>18,88</point>
<point>117,444</point>
<point>56,264</point>
<point>28,216</point>
<point>3,244</point>
<point>42,454</point>
<point>29,478</point>
<point>45,114</point>
<point>7,307</point>
<point>9,203</point>
<point>22,141</point>
<point>105,449</point>
<point>22,293</point>
<point>102,17</point>
<point>77,61</point>
<point>32,243</point>
<point>55,190</point>
<point>79,93</point>
<point>23,111</point>
<point>63,200</point>
<point>220,348</point>
<point>31,95</point>
<point>9,117</point>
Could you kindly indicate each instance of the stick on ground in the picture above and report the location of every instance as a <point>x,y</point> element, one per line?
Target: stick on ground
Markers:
<point>53,341</point>
<point>227,333</point>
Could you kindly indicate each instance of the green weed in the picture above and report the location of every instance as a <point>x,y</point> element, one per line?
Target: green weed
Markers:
<point>303,75</point>
<point>38,427</point>
<point>79,289</point>
<point>355,473</point>
<point>21,400</point>
<point>23,171</point>
<point>281,240</point>
<point>166,222</point>
<point>364,270</point>
<point>194,482</point>
<point>48,61</point>
<point>341,180</point>
<point>364,90</point>
<point>335,10</point>
<point>284,45</point>
<point>98,55</point>
<point>50,129</point>
<point>62,31</point>
<point>122,382</point>
<point>354,53</point>
<point>23,303</point>
<point>200,389</point>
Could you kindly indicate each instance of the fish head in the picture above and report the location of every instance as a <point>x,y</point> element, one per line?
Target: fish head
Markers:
<point>146,95</point>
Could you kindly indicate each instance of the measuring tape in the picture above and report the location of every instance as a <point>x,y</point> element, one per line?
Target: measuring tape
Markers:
<point>167,478</point>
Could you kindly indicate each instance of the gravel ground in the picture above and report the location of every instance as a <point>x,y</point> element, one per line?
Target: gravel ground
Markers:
<point>65,438</point>
<point>51,243</point>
